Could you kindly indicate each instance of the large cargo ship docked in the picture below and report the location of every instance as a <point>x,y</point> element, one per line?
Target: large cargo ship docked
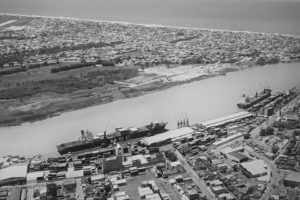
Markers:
<point>88,140</point>
<point>247,102</point>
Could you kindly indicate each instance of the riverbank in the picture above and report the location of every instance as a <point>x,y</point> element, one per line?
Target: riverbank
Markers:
<point>47,105</point>
<point>199,101</point>
<point>54,74</point>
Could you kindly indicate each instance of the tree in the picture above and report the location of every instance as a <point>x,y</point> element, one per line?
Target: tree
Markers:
<point>270,130</point>
<point>247,136</point>
<point>275,149</point>
<point>263,132</point>
<point>235,168</point>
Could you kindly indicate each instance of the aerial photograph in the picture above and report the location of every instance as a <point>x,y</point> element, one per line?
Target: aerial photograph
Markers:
<point>149,99</point>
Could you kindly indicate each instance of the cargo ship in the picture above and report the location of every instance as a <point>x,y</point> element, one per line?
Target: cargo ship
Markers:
<point>247,101</point>
<point>88,140</point>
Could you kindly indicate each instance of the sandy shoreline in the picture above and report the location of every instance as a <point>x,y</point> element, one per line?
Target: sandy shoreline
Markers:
<point>146,25</point>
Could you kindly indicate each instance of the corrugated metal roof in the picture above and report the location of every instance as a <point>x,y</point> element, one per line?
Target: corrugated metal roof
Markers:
<point>229,118</point>
<point>238,155</point>
<point>255,167</point>
<point>14,171</point>
<point>293,176</point>
<point>167,135</point>
<point>227,139</point>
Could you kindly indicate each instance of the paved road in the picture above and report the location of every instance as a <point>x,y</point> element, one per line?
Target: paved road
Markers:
<point>198,181</point>
<point>273,179</point>
<point>255,132</point>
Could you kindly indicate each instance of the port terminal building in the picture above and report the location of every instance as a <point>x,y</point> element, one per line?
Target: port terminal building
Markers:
<point>221,121</point>
<point>167,136</point>
<point>14,174</point>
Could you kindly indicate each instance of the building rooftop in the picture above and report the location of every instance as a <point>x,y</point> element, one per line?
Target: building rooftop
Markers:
<point>293,177</point>
<point>32,176</point>
<point>14,172</point>
<point>226,119</point>
<point>238,155</point>
<point>227,196</point>
<point>227,139</point>
<point>255,167</point>
<point>229,149</point>
<point>167,135</point>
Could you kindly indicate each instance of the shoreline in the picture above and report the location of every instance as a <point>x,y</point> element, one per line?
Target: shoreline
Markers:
<point>140,92</point>
<point>60,109</point>
<point>145,25</point>
<point>16,117</point>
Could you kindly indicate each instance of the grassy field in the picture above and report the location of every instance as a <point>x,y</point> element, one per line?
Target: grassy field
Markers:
<point>37,93</point>
<point>41,79</point>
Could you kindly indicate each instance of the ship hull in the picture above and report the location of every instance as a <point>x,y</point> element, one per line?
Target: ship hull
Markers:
<point>255,100</point>
<point>104,142</point>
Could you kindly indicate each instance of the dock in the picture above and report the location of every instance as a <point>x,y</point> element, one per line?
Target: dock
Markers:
<point>226,119</point>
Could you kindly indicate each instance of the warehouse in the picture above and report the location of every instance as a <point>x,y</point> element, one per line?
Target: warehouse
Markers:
<point>292,180</point>
<point>226,119</point>
<point>237,157</point>
<point>169,135</point>
<point>227,139</point>
<point>114,163</point>
<point>254,169</point>
<point>14,174</point>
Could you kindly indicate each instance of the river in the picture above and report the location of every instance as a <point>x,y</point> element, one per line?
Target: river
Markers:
<point>200,101</point>
<point>272,16</point>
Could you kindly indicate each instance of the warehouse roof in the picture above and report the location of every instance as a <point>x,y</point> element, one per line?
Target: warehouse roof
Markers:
<point>14,172</point>
<point>227,139</point>
<point>226,119</point>
<point>255,167</point>
<point>238,155</point>
<point>229,149</point>
<point>167,135</point>
<point>293,177</point>
<point>32,176</point>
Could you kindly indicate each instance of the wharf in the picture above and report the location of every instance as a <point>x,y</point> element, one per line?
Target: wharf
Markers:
<point>226,119</point>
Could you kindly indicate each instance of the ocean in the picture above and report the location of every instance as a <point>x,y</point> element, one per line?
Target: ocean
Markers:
<point>271,16</point>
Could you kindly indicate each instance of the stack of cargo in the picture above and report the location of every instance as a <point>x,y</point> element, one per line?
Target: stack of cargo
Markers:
<point>133,171</point>
<point>77,164</point>
<point>143,191</point>
<point>69,185</point>
<point>121,195</point>
<point>116,188</point>
<point>164,196</point>
<point>120,182</point>
<point>154,196</point>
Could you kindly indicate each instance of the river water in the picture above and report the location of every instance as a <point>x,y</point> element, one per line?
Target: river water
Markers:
<point>200,101</point>
<point>272,16</point>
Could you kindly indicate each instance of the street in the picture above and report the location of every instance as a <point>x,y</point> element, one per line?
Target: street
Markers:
<point>198,181</point>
